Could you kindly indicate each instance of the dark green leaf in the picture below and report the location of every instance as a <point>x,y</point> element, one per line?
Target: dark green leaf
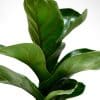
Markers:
<point>8,76</point>
<point>71,20</point>
<point>52,60</point>
<point>79,90</point>
<point>30,54</point>
<point>66,93</point>
<point>62,84</point>
<point>45,24</point>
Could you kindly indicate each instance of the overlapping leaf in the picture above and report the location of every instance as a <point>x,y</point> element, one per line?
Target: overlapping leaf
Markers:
<point>63,94</point>
<point>8,76</point>
<point>78,91</point>
<point>30,54</point>
<point>62,84</point>
<point>52,60</point>
<point>59,90</point>
<point>45,23</point>
<point>73,62</point>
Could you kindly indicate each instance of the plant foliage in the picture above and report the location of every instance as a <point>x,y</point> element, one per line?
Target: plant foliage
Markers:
<point>48,25</point>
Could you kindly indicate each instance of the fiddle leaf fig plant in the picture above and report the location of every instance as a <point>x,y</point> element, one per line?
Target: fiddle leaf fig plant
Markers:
<point>48,25</point>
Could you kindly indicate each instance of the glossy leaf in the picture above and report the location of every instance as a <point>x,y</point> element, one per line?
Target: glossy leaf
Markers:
<point>79,90</point>
<point>53,94</point>
<point>64,93</point>
<point>71,20</point>
<point>30,54</point>
<point>45,24</point>
<point>77,52</point>
<point>62,84</point>
<point>8,76</point>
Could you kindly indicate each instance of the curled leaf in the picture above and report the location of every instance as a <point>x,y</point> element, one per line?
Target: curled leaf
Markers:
<point>71,20</point>
<point>64,94</point>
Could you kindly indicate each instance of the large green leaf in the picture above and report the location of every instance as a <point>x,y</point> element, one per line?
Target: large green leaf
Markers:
<point>73,53</point>
<point>71,20</point>
<point>30,54</point>
<point>63,94</point>
<point>45,23</point>
<point>76,61</point>
<point>85,61</point>
<point>8,76</point>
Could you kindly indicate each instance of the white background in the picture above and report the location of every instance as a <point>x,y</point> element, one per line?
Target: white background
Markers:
<point>13,30</point>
